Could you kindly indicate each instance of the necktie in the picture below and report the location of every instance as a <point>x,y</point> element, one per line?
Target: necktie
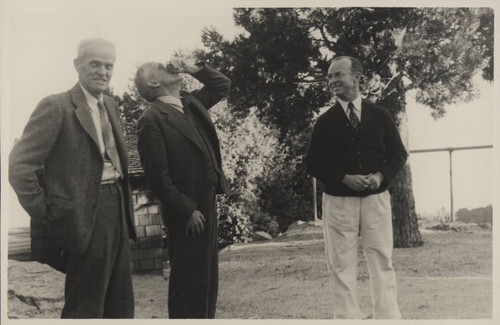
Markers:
<point>352,117</point>
<point>109,139</point>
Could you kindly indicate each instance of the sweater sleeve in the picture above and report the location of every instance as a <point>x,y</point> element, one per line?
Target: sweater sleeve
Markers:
<point>395,150</point>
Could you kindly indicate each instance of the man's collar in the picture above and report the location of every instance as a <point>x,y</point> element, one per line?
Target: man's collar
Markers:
<point>170,100</point>
<point>356,102</point>
<point>91,100</point>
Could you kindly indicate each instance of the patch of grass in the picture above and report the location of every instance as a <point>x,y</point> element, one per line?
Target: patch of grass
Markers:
<point>448,277</point>
<point>447,254</point>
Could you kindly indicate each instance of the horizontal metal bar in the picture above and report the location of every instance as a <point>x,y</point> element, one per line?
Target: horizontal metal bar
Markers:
<point>452,149</point>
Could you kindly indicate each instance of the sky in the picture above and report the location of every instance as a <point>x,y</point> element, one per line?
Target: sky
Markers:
<point>464,125</point>
<point>39,44</point>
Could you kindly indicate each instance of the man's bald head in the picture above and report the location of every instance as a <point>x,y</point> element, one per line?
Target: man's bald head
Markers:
<point>147,73</point>
<point>153,79</point>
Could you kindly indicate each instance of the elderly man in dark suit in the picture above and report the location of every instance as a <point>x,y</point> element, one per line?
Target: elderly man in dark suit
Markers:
<point>356,150</point>
<point>75,137</point>
<point>180,155</point>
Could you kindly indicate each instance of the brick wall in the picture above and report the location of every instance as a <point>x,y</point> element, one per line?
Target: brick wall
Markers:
<point>147,254</point>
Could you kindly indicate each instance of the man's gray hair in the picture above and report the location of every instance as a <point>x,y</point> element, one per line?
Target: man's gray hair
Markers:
<point>82,47</point>
<point>356,66</point>
<point>140,82</point>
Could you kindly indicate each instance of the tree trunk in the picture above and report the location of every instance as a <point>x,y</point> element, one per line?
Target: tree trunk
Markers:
<point>404,218</point>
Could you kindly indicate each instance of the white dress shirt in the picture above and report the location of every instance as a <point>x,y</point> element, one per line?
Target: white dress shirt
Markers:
<point>173,101</point>
<point>109,172</point>
<point>357,107</point>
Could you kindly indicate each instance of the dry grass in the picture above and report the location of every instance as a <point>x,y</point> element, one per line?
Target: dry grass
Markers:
<point>450,277</point>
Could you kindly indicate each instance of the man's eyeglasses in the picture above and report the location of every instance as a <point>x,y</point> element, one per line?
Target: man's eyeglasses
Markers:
<point>339,74</point>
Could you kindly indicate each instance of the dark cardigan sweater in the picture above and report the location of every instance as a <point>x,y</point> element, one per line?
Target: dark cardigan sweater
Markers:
<point>336,149</point>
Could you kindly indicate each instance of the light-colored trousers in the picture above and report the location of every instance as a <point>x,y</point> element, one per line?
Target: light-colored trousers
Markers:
<point>341,219</point>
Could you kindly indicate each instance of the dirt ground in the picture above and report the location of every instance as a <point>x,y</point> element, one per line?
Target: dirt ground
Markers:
<point>450,277</point>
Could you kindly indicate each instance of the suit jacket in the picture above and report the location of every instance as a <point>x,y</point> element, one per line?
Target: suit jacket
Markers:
<point>172,157</point>
<point>60,138</point>
<point>336,149</point>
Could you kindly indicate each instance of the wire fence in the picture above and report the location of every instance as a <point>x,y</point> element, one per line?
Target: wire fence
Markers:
<point>450,151</point>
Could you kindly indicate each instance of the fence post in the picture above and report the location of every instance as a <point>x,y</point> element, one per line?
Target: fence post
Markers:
<point>450,150</point>
<point>451,185</point>
<point>315,205</point>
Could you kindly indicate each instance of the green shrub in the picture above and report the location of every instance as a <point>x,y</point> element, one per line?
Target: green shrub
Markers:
<point>248,149</point>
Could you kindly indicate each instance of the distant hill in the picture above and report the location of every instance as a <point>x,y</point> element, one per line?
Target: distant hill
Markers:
<point>478,215</point>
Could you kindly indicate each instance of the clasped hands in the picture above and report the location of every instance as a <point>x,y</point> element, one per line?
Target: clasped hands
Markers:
<point>363,182</point>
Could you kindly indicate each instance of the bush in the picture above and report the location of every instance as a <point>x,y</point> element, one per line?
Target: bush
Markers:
<point>234,226</point>
<point>286,191</point>
<point>248,150</point>
<point>442,216</point>
<point>478,215</point>
<point>267,223</point>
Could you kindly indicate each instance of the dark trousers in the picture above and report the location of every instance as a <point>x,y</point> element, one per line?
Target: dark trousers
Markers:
<point>194,275</point>
<point>99,281</point>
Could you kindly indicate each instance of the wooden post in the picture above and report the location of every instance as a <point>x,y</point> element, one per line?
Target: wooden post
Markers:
<point>451,185</point>
<point>450,150</point>
<point>315,205</point>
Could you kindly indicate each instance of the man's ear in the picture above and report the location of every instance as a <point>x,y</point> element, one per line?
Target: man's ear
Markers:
<point>76,63</point>
<point>152,83</point>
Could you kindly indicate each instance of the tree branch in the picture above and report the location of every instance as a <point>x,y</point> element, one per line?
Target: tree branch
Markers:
<point>331,46</point>
<point>321,79</point>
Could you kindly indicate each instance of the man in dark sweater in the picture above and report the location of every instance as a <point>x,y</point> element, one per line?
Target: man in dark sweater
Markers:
<point>356,150</point>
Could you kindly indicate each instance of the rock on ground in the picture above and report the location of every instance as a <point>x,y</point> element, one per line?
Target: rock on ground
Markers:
<point>486,226</point>
<point>455,226</point>
<point>35,290</point>
<point>303,229</point>
<point>304,226</point>
<point>261,235</point>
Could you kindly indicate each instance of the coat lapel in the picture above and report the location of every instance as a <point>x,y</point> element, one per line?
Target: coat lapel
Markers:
<point>194,104</point>
<point>177,121</point>
<point>121,147</point>
<point>338,112</point>
<point>83,113</point>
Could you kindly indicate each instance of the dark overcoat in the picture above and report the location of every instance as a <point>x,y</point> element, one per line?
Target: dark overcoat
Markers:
<point>176,168</point>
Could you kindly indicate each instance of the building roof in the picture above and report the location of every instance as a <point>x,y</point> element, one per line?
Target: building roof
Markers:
<point>134,161</point>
